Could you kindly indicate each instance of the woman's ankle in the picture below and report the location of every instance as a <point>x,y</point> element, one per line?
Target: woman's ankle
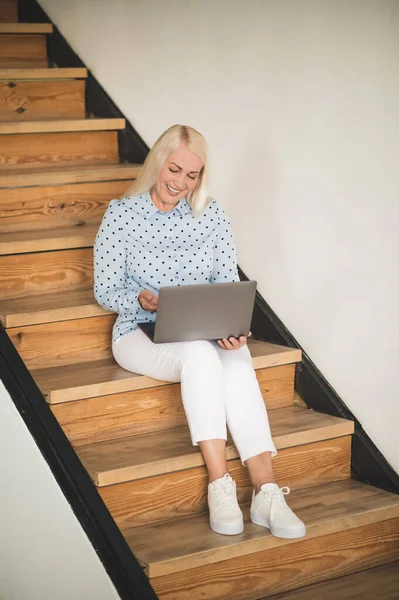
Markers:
<point>257,486</point>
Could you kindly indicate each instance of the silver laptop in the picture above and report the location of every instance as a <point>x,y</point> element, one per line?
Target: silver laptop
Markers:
<point>202,312</point>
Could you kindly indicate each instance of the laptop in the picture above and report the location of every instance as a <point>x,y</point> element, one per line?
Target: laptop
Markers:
<point>209,311</point>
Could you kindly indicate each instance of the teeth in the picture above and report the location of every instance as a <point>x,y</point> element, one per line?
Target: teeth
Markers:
<point>172,190</point>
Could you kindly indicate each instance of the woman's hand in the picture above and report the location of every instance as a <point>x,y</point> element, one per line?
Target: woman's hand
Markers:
<point>233,343</point>
<point>148,300</point>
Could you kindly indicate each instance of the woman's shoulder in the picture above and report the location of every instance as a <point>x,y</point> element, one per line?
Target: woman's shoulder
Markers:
<point>127,203</point>
<point>215,209</point>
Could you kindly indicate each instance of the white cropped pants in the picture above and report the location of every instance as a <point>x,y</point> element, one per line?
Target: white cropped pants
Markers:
<point>217,386</point>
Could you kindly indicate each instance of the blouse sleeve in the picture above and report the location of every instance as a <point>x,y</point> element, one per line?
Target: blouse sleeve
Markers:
<point>225,255</point>
<point>112,290</point>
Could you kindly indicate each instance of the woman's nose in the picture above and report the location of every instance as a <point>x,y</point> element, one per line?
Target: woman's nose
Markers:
<point>179,180</point>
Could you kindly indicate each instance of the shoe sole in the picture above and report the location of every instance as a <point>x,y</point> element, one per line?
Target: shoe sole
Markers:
<point>234,529</point>
<point>280,533</point>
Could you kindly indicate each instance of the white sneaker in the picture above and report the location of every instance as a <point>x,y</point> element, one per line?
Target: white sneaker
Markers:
<point>269,509</point>
<point>224,513</point>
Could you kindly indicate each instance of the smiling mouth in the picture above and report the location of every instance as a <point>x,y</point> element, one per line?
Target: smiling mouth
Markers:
<point>172,190</point>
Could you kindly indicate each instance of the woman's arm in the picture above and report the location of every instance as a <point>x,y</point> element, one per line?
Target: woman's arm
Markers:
<point>224,254</point>
<point>112,289</point>
<point>225,270</point>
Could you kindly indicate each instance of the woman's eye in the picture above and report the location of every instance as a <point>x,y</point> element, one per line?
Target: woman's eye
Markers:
<point>172,171</point>
<point>194,177</point>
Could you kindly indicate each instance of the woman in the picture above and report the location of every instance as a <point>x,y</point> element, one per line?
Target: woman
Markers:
<point>166,231</point>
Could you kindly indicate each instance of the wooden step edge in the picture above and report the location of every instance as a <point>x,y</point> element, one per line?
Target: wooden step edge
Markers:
<point>369,584</point>
<point>98,427</point>
<point>45,73</point>
<point>284,357</point>
<point>83,240</point>
<point>26,27</point>
<point>61,126</point>
<point>47,239</point>
<point>133,382</point>
<point>339,428</point>
<point>68,175</point>
<point>38,317</point>
<point>243,546</point>
<point>174,495</point>
<point>251,547</point>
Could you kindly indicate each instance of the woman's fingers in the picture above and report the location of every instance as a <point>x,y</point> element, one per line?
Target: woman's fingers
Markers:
<point>225,344</point>
<point>152,303</point>
<point>148,300</point>
<point>150,307</point>
<point>228,343</point>
<point>235,342</point>
<point>232,343</point>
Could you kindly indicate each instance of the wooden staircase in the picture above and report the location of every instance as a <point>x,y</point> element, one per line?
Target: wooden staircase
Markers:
<point>58,171</point>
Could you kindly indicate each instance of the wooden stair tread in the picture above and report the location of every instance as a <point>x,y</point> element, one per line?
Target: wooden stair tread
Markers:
<point>182,493</point>
<point>61,125</point>
<point>45,73</point>
<point>171,546</point>
<point>26,27</point>
<point>98,378</point>
<point>135,457</point>
<point>380,583</point>
<point>67,174</point>
<point>19,242</point>
<point>47,308</point>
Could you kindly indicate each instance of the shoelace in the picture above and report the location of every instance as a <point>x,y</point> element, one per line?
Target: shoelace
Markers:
<point>283,491</point>
<point>277,498</point>
<point>224,491</point>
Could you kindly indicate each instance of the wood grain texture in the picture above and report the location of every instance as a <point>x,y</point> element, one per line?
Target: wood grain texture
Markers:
<point>9,10</point>
<point>52,207</point>
<point>277,385</point>
<point>49,308</point>
<point>27,275</point>
<point>380,583</point>
<point>144,411</point>
<point>265,354</point>
<point>37,150</point>
<point>120,415</point>
<point>286,567</point>
<point>187,543</point>
<point>99,379</point>
<point>36,240</point>
<point>25,27</point>
<point>65,174</point>
<point>184,493</point>
<point>46,73</point>
<point>60,126</point>
<point>64,342</point>
<point>23,50</point>
<point>72,382</point>
<point>117,461</point>
<point>42,100</point>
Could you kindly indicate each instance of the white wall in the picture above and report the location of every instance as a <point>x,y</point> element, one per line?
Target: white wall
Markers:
<point>299,101</point>
<point>44,552</point>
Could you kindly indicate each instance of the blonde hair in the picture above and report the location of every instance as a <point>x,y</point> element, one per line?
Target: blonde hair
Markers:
<point>170,140</point>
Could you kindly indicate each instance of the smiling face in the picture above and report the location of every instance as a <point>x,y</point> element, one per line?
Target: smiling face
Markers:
<point>178,177</point>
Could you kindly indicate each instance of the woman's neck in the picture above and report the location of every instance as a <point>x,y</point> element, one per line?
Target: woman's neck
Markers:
<point>163,206</point>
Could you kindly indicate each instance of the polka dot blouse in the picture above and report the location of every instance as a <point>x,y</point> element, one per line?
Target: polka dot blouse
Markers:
<point>139,247</point>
